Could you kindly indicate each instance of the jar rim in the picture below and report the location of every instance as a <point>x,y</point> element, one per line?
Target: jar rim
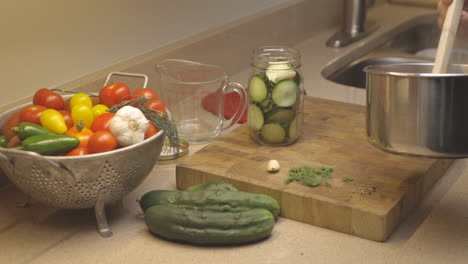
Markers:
<point>276,54</point>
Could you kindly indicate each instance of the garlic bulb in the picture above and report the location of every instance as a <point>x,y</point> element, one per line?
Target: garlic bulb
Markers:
<point>128,126</point>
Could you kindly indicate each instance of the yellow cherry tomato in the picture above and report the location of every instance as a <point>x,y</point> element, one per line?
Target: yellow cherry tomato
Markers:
<point>99,109</point>
<point>52,120</point>
<point>82,113</point>
<point>80,99</point>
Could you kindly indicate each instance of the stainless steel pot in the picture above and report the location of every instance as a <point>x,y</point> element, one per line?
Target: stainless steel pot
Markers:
<point>411,111</point>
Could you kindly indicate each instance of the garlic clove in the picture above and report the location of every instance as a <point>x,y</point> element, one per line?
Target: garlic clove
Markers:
<point>273,166</point>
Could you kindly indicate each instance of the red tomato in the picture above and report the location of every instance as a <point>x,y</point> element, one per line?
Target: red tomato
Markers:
<point>83,135</point>
<point>113,94</point>
<point>49,99</point>
<point>66,107</point>
<point>32,113</point>
<point>151,131</point>
<point>12,121</point>
<point>67,117</point>
<point>101,123</point>
<point>14,142</point>
<point>102,141</point>
<point>148,93</point>
<point>78,151</point>
<point>155,104</point>
<point>95,100</point>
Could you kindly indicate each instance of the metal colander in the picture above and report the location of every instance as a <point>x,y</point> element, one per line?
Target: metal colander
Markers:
<point>81,181</point>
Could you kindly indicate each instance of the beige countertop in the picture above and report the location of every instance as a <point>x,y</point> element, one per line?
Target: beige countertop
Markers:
<point>437,231</point>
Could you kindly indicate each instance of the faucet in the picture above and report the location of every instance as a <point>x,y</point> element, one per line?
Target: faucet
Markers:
<point>354,23</point>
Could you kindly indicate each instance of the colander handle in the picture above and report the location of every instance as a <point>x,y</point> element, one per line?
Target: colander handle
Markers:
<point>6,164</point>
<point>56,166</point>
<point>144,76</point>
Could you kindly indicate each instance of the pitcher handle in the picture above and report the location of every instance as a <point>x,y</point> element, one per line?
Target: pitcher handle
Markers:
<point>240,90</point>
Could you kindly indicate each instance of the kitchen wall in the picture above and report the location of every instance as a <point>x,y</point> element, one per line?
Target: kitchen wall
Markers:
<point>76,45</point>
<point>49,42</point>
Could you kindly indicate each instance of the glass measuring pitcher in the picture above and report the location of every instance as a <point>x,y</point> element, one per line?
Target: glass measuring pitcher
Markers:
<point>195,95</point>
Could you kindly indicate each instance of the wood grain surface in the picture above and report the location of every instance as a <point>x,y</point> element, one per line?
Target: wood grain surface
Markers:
<point>427,3</point>
<point>334,136</point>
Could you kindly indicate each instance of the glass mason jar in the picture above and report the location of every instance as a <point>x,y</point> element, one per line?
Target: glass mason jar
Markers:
<point>276,96</point>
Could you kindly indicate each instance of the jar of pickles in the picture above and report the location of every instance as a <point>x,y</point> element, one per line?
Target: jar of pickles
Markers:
<point>276,95</point>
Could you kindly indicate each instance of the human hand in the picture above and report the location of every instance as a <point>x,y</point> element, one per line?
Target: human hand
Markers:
<point>442,7</point>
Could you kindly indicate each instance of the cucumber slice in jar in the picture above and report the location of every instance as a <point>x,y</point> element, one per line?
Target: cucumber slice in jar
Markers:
<point>285,93</point>
<point>278,72</point>
<point>295,127</point>
<point>293,131</point>
<point>273,133</point>
<point>255,117</point>
<point>257,89</point>
<point>281,116</point>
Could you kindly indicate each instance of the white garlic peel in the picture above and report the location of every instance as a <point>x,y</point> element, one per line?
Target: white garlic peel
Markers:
<point>273,166</point>
<point>279,72</point>
<point>128,126</point>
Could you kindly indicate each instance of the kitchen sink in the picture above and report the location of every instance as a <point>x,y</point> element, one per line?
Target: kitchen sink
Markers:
<point>413,41</point>
<point>354,75</point>
<point>417,38</point>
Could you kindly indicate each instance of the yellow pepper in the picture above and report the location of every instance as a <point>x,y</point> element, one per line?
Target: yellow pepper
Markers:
<point>80,99</point>
<point>99,109</point>
<point>52,120</point>
<point>82,113</point>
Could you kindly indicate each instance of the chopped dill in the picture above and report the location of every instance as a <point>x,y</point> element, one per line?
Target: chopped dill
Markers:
<point>347,179</point>
<point>309,176</point>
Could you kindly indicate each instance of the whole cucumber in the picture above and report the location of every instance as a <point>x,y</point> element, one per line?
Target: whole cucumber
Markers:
<point>212,185</point>
<point>49,144</point>
<point>208,227</point>
<point>212,200</point>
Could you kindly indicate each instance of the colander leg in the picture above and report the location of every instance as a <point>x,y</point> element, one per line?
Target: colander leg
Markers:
<point>24,204</point>
<point>100,211</point>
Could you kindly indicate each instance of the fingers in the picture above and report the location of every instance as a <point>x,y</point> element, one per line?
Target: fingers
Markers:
<point>440,22</point>
<point>442,7</point>
<point>463,27</point>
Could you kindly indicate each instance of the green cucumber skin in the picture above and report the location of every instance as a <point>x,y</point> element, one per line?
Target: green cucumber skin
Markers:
<point>208,227</point>
<point>212,200</point>
<point>212,185</point>
<point>257,89</point>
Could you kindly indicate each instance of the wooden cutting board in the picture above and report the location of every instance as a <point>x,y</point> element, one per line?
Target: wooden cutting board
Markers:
<point>333,135</point>
<point>426,3</point>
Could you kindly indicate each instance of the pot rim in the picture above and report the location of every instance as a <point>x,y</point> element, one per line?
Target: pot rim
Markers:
<point>397,70</point>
